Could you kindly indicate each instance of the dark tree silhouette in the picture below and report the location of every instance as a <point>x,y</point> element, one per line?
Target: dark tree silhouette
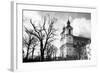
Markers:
<point>51,50</point>
<point>79,48</point>
<point>43,34</point>
<point>34,44</point>
<point>29,41</point>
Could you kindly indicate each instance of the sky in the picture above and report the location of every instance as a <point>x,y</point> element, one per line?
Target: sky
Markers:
<point>81,22</point>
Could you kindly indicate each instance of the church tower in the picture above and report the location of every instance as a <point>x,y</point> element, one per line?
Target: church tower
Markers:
<point>67,40</point>
<point>69,33</point>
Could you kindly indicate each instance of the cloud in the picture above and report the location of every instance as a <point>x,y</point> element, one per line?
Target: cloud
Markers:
<point>82,27</point>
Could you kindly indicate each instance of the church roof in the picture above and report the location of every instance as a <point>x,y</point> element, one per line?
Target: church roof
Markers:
<point>81,40</point>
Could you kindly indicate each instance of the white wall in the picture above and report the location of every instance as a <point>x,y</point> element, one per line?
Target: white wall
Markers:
<point>5,34</point>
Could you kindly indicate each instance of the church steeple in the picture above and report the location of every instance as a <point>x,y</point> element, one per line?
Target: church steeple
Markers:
<point>67,40</point>
<point>69,27</point>
<point>68,22</point>
<point>68,30</point>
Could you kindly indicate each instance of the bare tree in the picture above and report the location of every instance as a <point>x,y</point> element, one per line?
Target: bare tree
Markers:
<point>29,41</point>
<point>44,35</point>
<point>34,44</point>
<point>51,51</point>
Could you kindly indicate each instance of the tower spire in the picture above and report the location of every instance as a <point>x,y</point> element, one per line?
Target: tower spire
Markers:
<point>69,27</point>
<point>68,22</point>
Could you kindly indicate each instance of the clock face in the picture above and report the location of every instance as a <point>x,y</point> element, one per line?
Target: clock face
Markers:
<point>69,39</point>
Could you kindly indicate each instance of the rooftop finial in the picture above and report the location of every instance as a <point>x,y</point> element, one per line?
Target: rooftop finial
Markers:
<point>68,25</point>
<point>68,22</point>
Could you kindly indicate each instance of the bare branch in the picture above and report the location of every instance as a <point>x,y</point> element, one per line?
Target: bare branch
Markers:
<point>36,35</point>
<point>51,40</point>
<point>27,31</point>
<point>25,43</point>
<point>44,25</point>
<point>35,28</point>
<point>31,33</point>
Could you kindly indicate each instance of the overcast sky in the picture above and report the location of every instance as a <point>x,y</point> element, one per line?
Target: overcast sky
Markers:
<point>81,22</point>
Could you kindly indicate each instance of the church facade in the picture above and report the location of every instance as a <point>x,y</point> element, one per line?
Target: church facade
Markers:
<point>73,47</point>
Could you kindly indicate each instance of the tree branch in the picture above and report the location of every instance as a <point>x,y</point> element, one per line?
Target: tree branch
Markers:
<point>44,25</point>
<point>35,28</point>
<point>30,32</point>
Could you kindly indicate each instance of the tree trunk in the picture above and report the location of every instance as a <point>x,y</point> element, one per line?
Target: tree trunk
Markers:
<point>42,50</point>
<point>42,55</point>
<point>33,52</point>
<point>28,49</point>
<point>27,53</point>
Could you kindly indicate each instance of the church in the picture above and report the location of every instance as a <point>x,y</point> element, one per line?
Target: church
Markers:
<point>73,47</point>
